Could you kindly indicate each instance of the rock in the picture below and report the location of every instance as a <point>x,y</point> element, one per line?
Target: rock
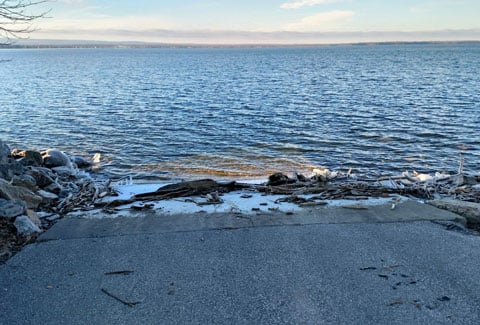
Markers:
<point>10,209</point>
<point>26,181</point>
<point>17,153</point>
<point>301,178</point>
<point>31,158</point>
<point>12,192</point>
<point>25,226</point>
<point>278,179</point>
<point>9,170</point>
<point>469,210</point>
<point>47,196</point>
<point>55,158</point>
<point>64,171</point>
<point>4,152</point>
<point>32,215</point>
<point>54,188</point>
<point>41,175</point>
<point>81,162</point>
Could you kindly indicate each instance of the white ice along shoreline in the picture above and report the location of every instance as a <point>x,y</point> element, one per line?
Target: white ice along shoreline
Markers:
<point>243,201</point>
<point>250,201</point>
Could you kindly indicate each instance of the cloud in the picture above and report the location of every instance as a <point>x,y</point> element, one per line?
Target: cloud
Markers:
<point>306,3</point>
<point>321,21</point>
<point>105,22</point>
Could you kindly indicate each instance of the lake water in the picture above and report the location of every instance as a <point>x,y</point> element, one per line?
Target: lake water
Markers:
<point>247,112</point>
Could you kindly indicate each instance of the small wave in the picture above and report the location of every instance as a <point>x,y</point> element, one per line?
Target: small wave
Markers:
<point>216,113</point>
<point>227,166</point>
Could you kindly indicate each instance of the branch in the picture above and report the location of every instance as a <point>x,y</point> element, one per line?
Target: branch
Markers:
<point>16,17</point>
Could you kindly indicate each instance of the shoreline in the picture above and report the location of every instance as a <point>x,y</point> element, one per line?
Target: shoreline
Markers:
<point>85,44</point>
<point>39,188</point>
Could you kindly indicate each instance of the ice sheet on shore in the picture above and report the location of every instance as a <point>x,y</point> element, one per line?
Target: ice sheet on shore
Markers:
<point>245,202</point>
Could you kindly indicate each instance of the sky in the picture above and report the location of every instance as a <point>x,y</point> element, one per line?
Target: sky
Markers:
<point>260,21</point>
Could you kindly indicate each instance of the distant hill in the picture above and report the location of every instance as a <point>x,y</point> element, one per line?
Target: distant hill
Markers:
<point>47,43</point>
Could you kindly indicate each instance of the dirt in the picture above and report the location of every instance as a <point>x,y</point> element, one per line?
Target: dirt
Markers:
<point>10,242</point>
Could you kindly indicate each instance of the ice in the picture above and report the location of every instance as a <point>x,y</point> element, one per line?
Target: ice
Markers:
<point>244,201</point>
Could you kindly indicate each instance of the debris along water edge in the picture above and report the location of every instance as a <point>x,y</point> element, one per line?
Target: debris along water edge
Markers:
<point>246,201</point>
<point>37,188</point>
<point>309,191</point>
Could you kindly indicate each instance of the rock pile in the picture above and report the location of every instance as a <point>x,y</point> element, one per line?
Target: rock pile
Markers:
<point>37,188</point>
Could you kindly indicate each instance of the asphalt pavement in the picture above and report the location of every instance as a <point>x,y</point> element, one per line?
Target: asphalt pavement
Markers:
<point>412,265</point>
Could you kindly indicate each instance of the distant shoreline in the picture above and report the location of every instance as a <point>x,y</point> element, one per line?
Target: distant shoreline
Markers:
<point>56,44</point>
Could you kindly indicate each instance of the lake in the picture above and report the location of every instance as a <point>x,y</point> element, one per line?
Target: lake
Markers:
<point>247,112</point>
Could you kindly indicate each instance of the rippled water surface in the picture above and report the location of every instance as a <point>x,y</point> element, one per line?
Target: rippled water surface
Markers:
<point>248,112</point>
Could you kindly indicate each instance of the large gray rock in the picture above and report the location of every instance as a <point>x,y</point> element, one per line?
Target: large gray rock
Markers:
<point>4,152</point>
<point>469,210</point>
<point>31,158</point>
<point>64,171</point>
<point>278,179</point>
<point>25,226</point>
<point>12,192</point>
<point>10,169</point>
<point>10,209</point>
<point>26,181</point>
<point>55,158</point>
<point>81,162</point>
<point>42,176</point>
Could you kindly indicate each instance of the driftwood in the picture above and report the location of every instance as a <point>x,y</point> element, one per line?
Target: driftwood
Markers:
<point>123,301</point>
<point>183,189</point>
<point>84,198</point>
<point>412,185</point>
<point>322,188</point>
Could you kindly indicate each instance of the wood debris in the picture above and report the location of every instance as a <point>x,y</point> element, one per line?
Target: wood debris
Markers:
<point>123,301</point>
<point>318,189</point>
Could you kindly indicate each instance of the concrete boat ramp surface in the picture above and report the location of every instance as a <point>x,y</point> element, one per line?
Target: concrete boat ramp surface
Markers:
<point>415,264</point>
